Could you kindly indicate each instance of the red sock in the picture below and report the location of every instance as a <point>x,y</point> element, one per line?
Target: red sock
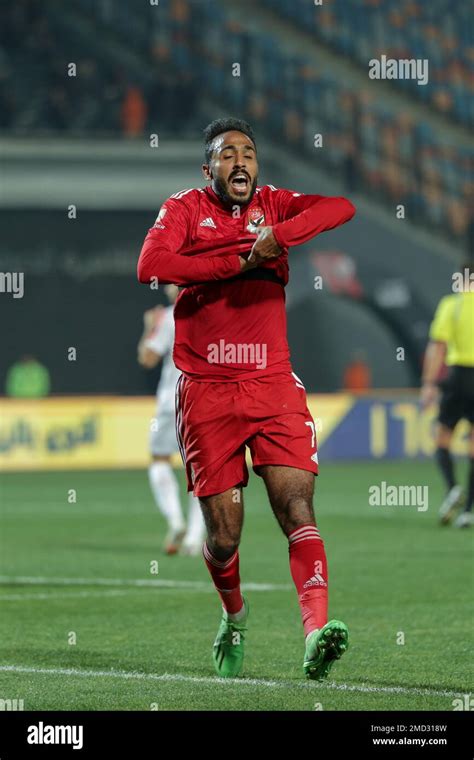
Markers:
<point>226,579</point>
<point>309,571</point>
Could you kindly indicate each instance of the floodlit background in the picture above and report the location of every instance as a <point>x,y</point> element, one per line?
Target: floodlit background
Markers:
<point>102,106</point>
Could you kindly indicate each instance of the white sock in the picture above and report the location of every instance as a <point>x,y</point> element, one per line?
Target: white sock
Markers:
<point>165,489</point>
<point>236,616</point>
<point>196,531</point>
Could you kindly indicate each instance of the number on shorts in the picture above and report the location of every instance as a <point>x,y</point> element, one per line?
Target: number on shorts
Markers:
<point>313,433</point>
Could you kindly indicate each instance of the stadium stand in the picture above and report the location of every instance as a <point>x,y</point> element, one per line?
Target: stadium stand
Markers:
<point>149,71</point>
<point>439,31</point>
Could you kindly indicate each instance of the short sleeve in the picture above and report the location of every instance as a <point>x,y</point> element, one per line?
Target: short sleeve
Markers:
<point>442,325</point>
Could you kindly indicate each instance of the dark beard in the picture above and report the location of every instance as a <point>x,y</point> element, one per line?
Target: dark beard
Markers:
<point>220,190</point>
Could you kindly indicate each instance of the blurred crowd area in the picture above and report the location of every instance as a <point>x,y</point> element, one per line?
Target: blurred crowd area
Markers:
<point>143,69</point>
<point>440,31</point>
<point>113,91</point>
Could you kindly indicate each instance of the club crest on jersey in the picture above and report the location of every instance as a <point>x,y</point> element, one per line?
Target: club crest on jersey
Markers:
<point>159,218</point>
<point>256,218</point>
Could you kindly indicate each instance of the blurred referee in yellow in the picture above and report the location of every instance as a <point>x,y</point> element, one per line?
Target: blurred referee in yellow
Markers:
<point>452,342</point>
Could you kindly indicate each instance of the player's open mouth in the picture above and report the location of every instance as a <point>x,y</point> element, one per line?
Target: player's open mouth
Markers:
<point>239,182</point>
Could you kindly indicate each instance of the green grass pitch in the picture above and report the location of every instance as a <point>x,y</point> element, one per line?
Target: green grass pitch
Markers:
<point>143,641</point>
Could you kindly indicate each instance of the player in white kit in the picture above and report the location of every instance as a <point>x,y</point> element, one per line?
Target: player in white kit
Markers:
<point>156,344</point>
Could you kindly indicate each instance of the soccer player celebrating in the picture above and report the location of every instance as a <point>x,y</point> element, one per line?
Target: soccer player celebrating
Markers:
<point>227,245</point>
<point>156,345</point>
<point>452,341</point>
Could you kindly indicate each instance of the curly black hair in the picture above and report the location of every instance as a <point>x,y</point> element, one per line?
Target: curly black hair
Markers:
<point>218,126</point>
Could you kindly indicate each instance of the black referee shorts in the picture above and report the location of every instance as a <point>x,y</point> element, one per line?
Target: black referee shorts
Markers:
<point>457,397</point>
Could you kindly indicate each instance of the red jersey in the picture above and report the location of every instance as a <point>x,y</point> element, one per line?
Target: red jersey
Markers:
<point>231,325</point>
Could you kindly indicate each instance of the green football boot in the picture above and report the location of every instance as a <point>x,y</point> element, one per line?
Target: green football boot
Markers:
<point>323,647</point>
<point>228,652</point>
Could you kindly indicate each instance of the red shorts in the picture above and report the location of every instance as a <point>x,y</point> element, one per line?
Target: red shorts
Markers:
<point>215,421</point>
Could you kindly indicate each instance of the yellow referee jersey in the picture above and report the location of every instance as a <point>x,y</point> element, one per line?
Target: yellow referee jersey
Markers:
<point>453,324</point>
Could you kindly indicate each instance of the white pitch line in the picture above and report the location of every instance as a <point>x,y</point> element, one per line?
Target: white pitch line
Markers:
<point>139,582</point>
<point>63,595</point>
<point>177,677</point>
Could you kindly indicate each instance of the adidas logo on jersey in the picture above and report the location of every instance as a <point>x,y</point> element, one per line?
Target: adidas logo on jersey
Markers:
<point>209,222</point>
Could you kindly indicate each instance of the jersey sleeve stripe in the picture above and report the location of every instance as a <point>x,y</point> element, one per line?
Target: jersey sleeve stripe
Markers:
<point>180,193</point>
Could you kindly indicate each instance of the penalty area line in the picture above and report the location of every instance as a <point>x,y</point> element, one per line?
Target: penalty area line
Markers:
<point>257,682</point>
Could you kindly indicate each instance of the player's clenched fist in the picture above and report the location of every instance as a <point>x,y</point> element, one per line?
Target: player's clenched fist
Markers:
<point>265,246</point>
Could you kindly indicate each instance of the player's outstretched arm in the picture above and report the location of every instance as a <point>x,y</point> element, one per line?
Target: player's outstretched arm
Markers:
<point>305,216</point>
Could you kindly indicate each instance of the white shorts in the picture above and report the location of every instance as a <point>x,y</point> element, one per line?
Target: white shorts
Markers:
<point>163,440</point>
